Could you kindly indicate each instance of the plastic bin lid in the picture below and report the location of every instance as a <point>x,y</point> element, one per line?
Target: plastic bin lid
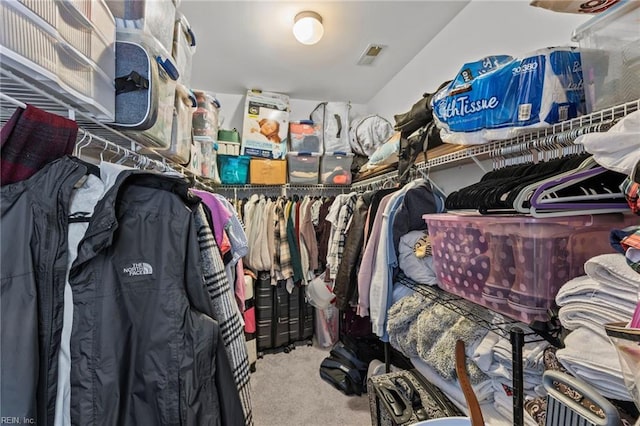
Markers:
<point>603,19</point>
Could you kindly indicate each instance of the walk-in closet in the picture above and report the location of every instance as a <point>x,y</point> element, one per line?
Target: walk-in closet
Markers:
<point>320,213</point>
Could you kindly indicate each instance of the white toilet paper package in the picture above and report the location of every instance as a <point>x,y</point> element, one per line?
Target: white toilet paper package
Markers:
<point>499,96</point>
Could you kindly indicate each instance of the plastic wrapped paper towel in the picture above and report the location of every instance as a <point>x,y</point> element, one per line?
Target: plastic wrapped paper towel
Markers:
<point>499,96</point>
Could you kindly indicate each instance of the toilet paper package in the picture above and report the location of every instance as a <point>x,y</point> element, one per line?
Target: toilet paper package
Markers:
<point>499,96</point>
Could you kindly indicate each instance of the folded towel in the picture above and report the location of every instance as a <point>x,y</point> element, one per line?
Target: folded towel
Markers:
<point>592,358</point>
<point>532,355</point>
<point>483,353</point>
<point>591,315</point>
<point>613,271</point>
<point>531,383</point>
<point>586,288</point>
<point>451,388</point>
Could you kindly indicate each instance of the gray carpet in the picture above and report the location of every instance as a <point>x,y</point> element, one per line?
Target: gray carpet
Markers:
<point>287,390</point>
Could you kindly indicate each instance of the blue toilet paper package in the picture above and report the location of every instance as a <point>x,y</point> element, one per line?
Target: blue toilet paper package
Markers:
<point>498,96</point>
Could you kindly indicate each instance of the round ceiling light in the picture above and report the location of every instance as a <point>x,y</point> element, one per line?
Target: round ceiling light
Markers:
<point>307,27</point>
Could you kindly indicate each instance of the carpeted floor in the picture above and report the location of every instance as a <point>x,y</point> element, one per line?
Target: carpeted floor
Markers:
<point>287,391</point>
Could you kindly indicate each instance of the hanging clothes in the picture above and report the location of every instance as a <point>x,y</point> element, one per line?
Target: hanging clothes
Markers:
<point>140,306</point>
<point>225,311</point>
<point>31,139</point>
<point>346,278</point>
<point>340,217</point>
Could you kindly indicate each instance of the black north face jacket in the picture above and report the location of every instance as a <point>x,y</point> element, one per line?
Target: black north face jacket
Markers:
<point>144,347</point>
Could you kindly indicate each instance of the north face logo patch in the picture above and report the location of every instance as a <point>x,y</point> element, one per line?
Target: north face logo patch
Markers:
<point>137,269</point>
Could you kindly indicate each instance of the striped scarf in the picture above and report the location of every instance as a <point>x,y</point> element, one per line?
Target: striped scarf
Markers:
<point>226,314</point>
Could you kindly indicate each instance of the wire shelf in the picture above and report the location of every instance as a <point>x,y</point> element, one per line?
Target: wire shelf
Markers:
<point>481,316</point>
<point>584,123</point>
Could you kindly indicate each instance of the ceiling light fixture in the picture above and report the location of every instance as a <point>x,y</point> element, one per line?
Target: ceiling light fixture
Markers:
<point>307,27</point>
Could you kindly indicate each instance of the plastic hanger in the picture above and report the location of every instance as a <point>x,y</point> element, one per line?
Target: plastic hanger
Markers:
<point>527,193</point>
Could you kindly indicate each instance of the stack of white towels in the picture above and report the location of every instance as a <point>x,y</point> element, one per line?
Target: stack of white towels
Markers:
<point>608,293</point>
<point>493,356</point>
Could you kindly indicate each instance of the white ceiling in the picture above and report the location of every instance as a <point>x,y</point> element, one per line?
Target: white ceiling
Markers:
<point>249,44</point>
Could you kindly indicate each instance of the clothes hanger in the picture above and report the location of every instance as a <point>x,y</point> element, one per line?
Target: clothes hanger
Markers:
<point>538,202</point>
<point>527,193</point>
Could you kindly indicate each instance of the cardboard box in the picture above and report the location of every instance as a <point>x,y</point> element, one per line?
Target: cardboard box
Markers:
<point>263,171</point>
<point>266,125</point>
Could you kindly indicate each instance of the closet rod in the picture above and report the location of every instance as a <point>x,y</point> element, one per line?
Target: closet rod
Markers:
<point>12,100</point>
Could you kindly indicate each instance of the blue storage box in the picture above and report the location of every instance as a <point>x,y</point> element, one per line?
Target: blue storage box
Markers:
<point>234,169</point>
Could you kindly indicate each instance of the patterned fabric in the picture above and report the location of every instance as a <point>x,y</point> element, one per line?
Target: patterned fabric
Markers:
<point>537,409</point>
<point>433,401</point>
<point>282,266</point>
<point>334,257</point>
<point>422,247</point>
<point>631,190</point>
<point>226,313</point>
<point>627,242</point>
<point>31,139</point>
<point>551,362</point>
<point>294,245</point>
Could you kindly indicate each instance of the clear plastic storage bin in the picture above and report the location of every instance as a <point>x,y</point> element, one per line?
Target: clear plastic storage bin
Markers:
<point>305,136</point>
<point>146,115</point>
<point>181,127</point>
<point>184,46</point>
<point>32,45</point>
<point>303,168</point>
<point>88,39</point>
<point>156,17</point>
<point>335,168</point>
<point>515,264</point>
<point>26,42</point>
<point>610,53</point>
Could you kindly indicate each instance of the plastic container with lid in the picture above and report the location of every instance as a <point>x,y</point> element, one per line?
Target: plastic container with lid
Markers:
<point>80,71</point>
<point>184,47</point>
<point>335,168</point>
<point>610,55</point>
<point>180,148</point>
<point>305,136</point>
<point>516,264</point>
<point>303,167</point>
<point>234,169</point>
<point>205,117</point>
<point>146,88</point>
<point>155,17</point>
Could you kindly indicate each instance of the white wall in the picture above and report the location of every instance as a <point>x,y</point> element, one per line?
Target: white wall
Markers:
<point>232,109</point>
<point>482,28</point>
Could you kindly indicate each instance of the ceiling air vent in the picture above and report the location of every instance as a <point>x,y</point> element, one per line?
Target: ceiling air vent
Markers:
<point>370,54</point>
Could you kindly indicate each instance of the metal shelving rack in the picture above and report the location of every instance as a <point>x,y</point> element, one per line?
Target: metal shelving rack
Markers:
<point>484,317</point>
<point>494,322</point>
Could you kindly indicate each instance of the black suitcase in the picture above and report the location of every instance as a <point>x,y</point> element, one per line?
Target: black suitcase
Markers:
<point>280,315</point>
<point>294,314</point>
<point>300,318</point>
<point>264,310</point>
<point>404,398</point>
<point>272,314</point>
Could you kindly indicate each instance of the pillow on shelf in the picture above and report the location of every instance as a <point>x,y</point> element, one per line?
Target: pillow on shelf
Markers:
<point>385,154</point>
